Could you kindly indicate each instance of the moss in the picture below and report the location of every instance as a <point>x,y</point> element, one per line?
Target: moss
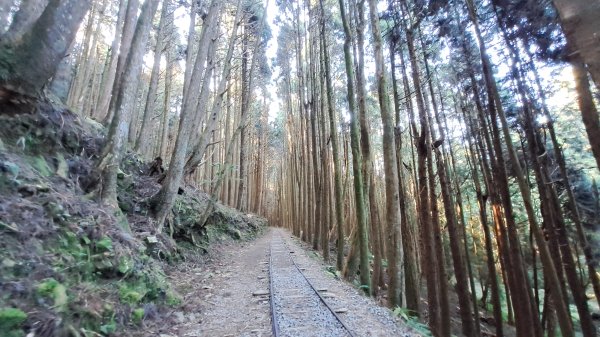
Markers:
<point>125,265</point>
<point>173,298</point>
<point>11,320</point>
<point>137,315</point>
<point>131,296</point>
<point>54,290</point>
<point>40,164</point>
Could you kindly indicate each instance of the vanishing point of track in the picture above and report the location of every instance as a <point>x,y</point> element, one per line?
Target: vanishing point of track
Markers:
<point>297,307</point>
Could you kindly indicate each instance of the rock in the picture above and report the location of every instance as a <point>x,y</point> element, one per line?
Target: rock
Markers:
<point>8,263</point>
<point>179,316</point>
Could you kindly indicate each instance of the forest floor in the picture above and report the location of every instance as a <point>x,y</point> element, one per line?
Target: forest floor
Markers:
<point>219,295</point>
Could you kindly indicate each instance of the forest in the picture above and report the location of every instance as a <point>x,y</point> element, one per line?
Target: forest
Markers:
<point>440,155</point>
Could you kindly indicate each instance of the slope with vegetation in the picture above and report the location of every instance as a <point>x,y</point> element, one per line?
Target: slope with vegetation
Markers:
<point>70,266</point>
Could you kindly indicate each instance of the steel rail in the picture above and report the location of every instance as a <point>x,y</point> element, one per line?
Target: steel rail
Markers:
<point>274,320</point>
<point>274,323</point>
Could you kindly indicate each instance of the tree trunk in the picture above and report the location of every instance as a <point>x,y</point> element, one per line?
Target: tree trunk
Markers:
<point>563,314</point>
<point>27,65</point>
<point>24,19</point>
<point>108,106</point>
<point>163,201</point>
<point>166,108</point>
<point>125,100</point>
<point>581,26</point>
<point>409,237</point>
<point>356,155</point>
<point>109,75</point>
<point>191,42</point>
<point>151,97</point>
<point>390,165</point>
<point>438,319</point>
<point>337,180</point>
<point>198,152</point>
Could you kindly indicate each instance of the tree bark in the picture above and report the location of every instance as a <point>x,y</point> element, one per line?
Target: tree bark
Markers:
<point>151,97</point>
<point>356,155</point>
<point>24,19</point>
<point>109,75</point>
<point>581,26</point>
<point>108,106</point>
<point>119,128</point>
<point>163,201</point>
<point>394,251</point>
<point>27,65</point>
<point>337,180</point>
<point>198,152</point>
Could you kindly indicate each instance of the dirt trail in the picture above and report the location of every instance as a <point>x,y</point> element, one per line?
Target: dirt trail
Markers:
<point>220,298</point>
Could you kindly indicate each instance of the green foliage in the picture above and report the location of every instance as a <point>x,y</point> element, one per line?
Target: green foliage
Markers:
<point>137,315</point>
<point>131,294</point>
<point>408,317</point>
<point>173,299</point>
<point>146,285</point>
<point>108,328</point>
<point>10,322</point>
<point>125,265</point>
<point>41,166</point>
<point>54,290</point>
<point>104,244</point>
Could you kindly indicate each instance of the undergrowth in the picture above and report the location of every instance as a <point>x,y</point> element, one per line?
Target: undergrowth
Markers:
<point>70,267</point>
<point>413,322</point>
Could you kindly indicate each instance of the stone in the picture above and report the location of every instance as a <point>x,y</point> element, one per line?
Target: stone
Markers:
<point>179,316</point>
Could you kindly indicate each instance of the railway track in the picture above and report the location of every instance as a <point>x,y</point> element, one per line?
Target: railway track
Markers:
<point>297,307</point>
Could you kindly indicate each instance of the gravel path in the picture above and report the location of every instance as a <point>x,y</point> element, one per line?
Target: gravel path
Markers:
<point>364,317</point>
<point>229,296</point>
<point>218,297</point>
<point>299,310</point>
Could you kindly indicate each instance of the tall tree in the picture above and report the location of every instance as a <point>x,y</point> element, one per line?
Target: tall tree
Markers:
<point>163,201</point>
<point>337,179</point>
<point>119,128</point>
<point>151,97</point>
<point>362,231</point>
<point>394,248</point>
